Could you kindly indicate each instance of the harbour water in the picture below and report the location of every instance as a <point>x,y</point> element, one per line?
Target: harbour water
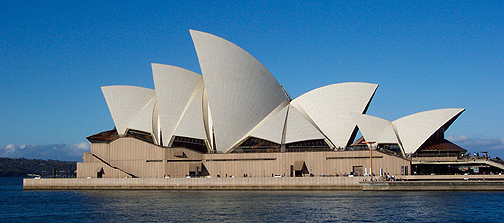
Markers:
<point>17,205</point>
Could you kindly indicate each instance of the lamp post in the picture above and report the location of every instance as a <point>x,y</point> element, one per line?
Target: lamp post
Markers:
<point>370,145</point>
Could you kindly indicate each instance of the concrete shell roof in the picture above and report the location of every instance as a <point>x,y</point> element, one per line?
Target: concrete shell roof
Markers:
<point>126,104</point>
<point>375,129</point>
<point>241,91</point>
<point>237,97</point>
<point>299,128</point>
<point>174,88</point>
<point>272,130</point>
<point>191,125</point>
<point>143,120</point>
<point>415,129</point>
<point>330,108</point>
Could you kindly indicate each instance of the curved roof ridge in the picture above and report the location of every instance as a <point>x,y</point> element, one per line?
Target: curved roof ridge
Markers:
<point>300,128</point>
<point>433,110</point>
<point>374,128</point>
<point>330,106</point>
<point>413,130</point>
<point>271,128</point>
<point>143,120</point>
<point>174,88</point>
<point>125,103</point>
<point>191,121</point>
<point>241,91</point>
<point>339,84</point>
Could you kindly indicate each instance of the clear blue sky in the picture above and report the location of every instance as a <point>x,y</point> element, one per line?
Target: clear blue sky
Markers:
<point>55,56</point>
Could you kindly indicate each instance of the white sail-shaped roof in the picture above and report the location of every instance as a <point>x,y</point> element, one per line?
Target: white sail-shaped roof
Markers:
<point>415,129</point>
<point>389,135</point>
<point>241,91</point>
<point>236,97</point>
<point>125,103</point>
<point>207,120</point>
<point>156,126</point>
<point>375,129</point>
<point>330,107</point>
<point>299,128</point>
<point>143,120</point>
<point>174,87</point>
<point>191,125</point>
<point>272,130</point>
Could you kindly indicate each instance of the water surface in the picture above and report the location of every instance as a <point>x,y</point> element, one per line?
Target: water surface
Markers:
<point>17,205</point>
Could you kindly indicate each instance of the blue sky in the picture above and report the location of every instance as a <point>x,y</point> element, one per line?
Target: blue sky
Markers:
<point>55,56</point>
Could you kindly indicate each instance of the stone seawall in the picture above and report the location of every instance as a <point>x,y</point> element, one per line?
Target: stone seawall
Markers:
<point>433,185</point>
<point>241,183</point>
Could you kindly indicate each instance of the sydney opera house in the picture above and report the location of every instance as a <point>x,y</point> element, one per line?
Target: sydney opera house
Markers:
<point>236,120</point>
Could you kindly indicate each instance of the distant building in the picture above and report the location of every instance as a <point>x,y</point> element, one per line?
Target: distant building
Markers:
<point>236,120</point>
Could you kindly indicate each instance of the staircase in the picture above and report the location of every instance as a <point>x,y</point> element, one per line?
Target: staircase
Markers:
<point>113,167</point>
<point>493,163</point>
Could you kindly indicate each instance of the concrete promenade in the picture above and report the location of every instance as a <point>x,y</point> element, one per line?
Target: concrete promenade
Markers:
<point>239,183</point>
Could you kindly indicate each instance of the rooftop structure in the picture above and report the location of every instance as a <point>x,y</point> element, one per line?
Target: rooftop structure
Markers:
<point>237,100</point>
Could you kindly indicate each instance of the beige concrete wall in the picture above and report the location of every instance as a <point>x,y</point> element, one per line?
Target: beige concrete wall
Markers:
<point>85,170</point>
<point>88,158</point>
<point>141,168</point>
<point>101,150</point>
<point>318,163</point>
<point>133,149</point>
<point>150,161</point>
<point>177,169</point>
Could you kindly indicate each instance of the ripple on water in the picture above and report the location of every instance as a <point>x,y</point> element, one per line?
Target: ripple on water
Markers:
<point>245,206</point>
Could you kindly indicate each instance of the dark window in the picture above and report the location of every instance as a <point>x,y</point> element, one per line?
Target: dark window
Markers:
<point>308,146</point>
<point>190,143</point>
<point>256,145</point>
<point>144,136</point>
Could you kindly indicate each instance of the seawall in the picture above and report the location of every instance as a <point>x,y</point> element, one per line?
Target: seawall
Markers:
<point>434,185</point>
<point>411,183</point>
<point>239,183</point>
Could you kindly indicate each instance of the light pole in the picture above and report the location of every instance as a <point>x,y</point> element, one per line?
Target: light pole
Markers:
<point>370,145</point>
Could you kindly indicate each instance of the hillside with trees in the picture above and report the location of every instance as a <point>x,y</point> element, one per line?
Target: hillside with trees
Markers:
<point>21,167</point>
